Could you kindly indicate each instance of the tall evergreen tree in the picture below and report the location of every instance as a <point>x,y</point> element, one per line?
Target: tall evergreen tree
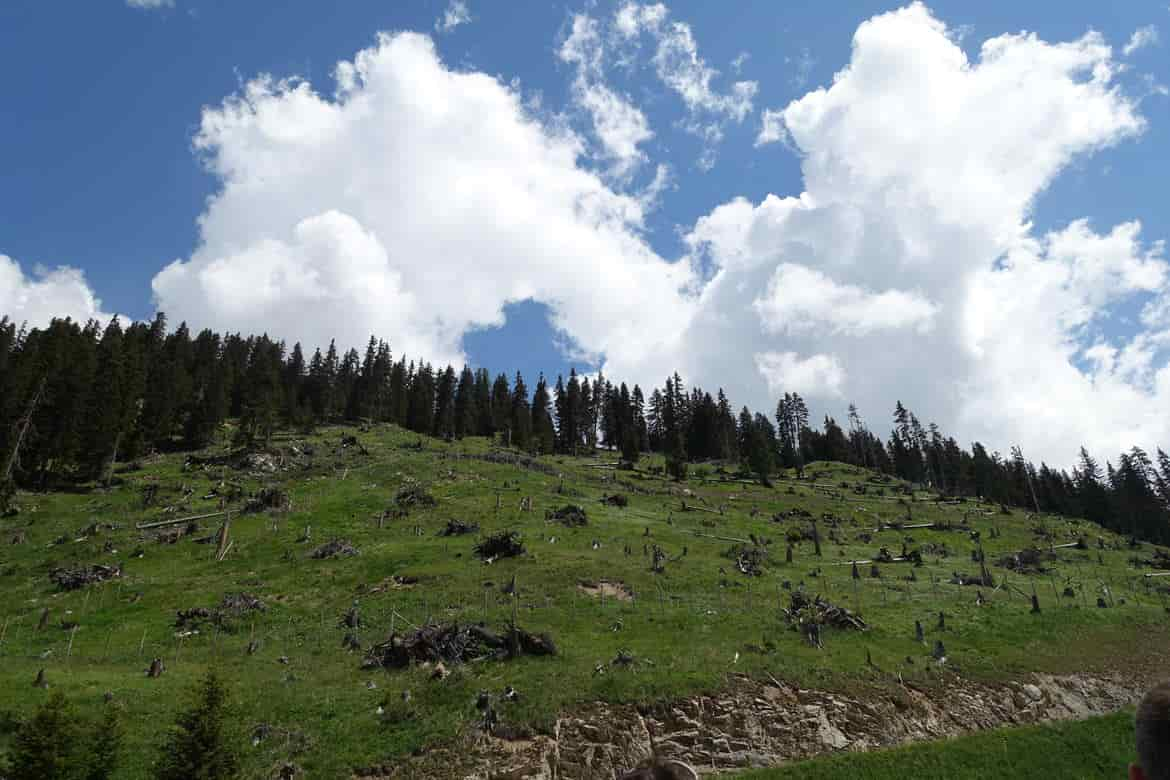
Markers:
<point>466,414</point>
<point>521,422</point>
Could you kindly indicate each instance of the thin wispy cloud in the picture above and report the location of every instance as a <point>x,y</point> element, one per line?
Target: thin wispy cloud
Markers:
<point>1141,38</point>
<point>457,13</point>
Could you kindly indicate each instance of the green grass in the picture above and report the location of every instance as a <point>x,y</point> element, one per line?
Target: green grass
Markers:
<point>731,623</point>
<point>1095,748</point>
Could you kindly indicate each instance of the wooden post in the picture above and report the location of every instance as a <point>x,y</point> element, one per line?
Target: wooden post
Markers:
<point>224,530</point>
<point>113,459</point>
<point>25,423</point>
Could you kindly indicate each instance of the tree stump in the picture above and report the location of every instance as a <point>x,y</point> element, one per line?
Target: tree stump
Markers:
<point>1035,604</point>
<point>40,682</point>
<point>156,668</point>
<point>44,621</point>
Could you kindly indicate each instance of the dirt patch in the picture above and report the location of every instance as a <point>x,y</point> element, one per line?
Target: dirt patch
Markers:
<point>606,589</point>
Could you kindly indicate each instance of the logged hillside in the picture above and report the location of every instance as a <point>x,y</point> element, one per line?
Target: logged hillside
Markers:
<point>626,587</point>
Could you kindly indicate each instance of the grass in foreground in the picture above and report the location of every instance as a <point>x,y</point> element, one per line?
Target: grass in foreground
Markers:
<point>1097,747</point>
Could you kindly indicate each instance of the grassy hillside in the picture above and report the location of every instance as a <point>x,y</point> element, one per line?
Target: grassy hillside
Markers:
<point>1093,748</point>
<point>689,625</point>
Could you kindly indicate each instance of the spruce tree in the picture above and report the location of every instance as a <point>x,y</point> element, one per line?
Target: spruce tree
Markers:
<point>201,746</point>
<point>445,404</point>
<point>46,746</point>
<point>521,424</point>
<point>501,407</point>
<point>483,403</point>
<point>543,432</point>
<point>104,417</point>
<point>465,409</point>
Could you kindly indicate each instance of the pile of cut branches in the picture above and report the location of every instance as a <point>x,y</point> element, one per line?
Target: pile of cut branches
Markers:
<point>73,579</point>
<point>454,644</point>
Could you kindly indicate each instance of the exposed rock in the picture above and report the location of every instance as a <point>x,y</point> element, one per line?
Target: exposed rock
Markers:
<point>756,725</point>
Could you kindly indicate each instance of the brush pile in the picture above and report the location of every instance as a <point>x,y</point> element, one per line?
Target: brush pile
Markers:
<point>413,495</point>
<point>269,498</point>
<point>338,548</point>
<point>454,644</point>
<point>569,515</point>
<point>73,579</point>
<point>822,612</point>
<point>1027,561</point>
<point>459,528</point>
<point>505,544</point>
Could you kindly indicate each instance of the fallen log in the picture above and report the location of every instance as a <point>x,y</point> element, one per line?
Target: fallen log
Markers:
<point>178,521</point>
<point>723,538</point>
<point>888,527</point>
<point>874,560</point>
<point>692,508</point>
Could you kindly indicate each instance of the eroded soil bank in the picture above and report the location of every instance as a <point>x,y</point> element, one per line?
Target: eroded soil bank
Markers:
<point>755,724</point>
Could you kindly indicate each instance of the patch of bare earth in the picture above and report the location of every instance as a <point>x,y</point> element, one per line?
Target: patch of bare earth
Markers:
<point>606,589</point>
<point>754,724</point>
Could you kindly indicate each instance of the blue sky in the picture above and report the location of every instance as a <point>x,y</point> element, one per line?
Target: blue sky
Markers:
<point>102,102</point>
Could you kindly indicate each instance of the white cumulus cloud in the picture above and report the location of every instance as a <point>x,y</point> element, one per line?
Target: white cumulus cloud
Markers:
<point>788,372</point>
<point>38,297</point>
<point>907,268</point>
<point>414,203</point>
<point>799,298</point>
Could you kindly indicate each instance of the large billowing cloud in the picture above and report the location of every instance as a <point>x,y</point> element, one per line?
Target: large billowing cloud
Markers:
<point>38,297</point>
<point>416,201</point>
<point>908,268</point>
<point>414,204</point>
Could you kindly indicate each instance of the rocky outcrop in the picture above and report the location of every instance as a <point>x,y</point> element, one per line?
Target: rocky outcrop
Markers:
<point>755,725</point>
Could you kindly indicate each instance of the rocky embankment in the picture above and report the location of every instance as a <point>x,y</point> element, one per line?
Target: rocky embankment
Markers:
<point>756,724</point>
